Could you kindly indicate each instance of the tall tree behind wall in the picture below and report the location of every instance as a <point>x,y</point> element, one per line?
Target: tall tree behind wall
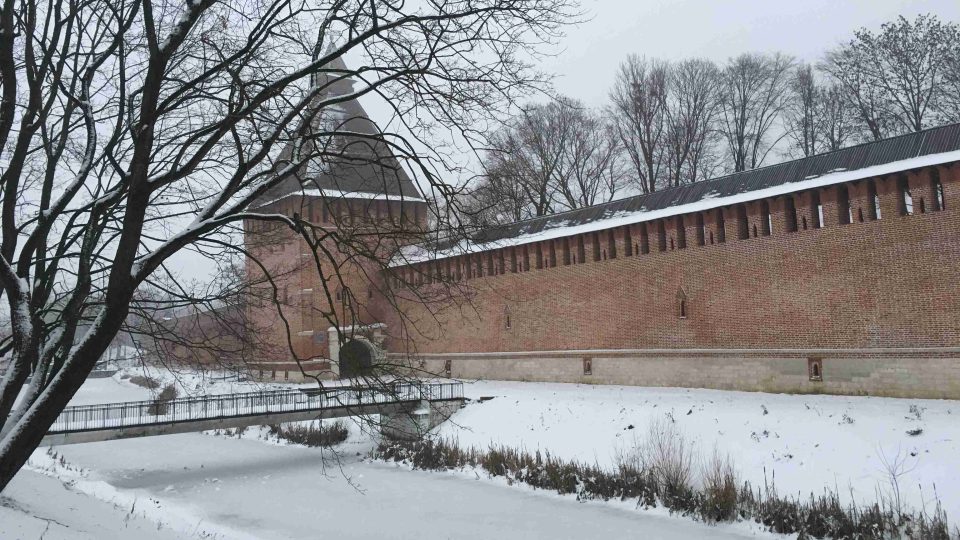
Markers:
<point>554,157</point>
<point>899,79</point>
<point>753,94</point>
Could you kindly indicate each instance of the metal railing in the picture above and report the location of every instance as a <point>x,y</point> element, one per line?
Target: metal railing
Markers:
<point>145,413</point>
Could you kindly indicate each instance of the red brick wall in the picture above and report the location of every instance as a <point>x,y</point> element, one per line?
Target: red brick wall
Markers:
<point>890,282</point>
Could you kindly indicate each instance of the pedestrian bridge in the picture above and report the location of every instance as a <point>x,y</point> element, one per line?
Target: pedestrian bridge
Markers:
<point>90,423</point>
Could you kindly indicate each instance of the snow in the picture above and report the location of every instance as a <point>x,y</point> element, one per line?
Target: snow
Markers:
<point>414,254</point>
<point>338,194</point>
<point>271,491</point>
<point>805,442</point>
<point>38,506</point>
<point>250,487</point>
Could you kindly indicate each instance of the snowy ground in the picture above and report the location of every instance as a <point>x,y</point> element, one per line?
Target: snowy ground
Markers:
<point>209,486</point>
<point>805,442</point>
<point>202,485</point>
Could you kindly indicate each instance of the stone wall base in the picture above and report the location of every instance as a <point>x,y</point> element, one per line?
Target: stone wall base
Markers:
<point>914,373</point>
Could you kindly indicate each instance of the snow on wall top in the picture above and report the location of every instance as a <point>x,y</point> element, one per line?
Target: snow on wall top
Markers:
<point>930,147</point>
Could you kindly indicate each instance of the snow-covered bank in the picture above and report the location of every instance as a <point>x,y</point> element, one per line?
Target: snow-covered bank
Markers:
<point>38,506</point>
<point>275,491</point>
<point>805,442</point>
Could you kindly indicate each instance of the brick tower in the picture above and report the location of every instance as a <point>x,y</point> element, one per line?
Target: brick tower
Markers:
<point>362,205</point>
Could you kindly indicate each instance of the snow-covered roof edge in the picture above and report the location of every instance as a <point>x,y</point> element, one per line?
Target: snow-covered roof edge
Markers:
<point>417,254</point>
<point>334,194</point>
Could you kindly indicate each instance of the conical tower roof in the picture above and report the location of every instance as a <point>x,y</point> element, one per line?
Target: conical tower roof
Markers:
<point>350,165</point>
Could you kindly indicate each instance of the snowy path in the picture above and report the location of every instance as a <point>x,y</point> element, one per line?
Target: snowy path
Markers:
<point>269,491</point>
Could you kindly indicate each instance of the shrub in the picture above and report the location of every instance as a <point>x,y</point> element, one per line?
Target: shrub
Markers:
<point>146,382</point>
<point>660,472</point>
<point>159,405</point>
<point>313,434</point>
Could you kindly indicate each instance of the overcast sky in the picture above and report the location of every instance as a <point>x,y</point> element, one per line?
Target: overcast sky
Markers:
<point>715,29</point>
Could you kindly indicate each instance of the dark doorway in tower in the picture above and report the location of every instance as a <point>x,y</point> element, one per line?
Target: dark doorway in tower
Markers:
<point>356,359</point>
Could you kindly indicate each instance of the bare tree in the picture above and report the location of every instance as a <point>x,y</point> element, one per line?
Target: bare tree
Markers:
<point>838,124</point>
<point>692,107</point>
<point>950,101</point>
<point>804,115</point>
<point>896,76</point>
<point>556,156</point>
<point>593,169</point>
<point>639,111</point>
<point>753,96</point>
<point>132,130</point>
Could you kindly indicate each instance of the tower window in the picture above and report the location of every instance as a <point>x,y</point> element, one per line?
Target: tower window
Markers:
<point>683,309</point>
<point>681,232</point>
<point>816,209</point>
<point>721,227</point>
<point>701,230</point>
<point>766,220</point>
<point>873,211</point>
<point>743,228</point>
<point>588,366</point>
<point>938,199</point>
<point>844,211</point>
<point>790,214</point>
<point>905,199</point>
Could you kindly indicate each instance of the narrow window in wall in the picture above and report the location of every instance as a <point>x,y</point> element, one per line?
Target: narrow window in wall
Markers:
<point>566,250</point>
<point>502,269</point>
<point>539,257</point>
<point>526,259</point>
<point>683,309</point>
<point>873,200</point>
<point>754,231</point>
<point>815,369</point>
<point>596,246</point>
<point>844,210</point>
<point>581,249</point>
<point>701,230</point>
<point>721,227</point>
<point>661,235</point>
<point>553,253</point>
<point>588,366</point>
<point>507,322</point>
<point>789,214</point>
<point>681,303</point>
<point>681,232</point>
<point>939,202</point>
<point>766,220</point>
<point>491,269</point>
<point>904,198</point>
<point>816,209</point>
<point>743,227</point>
<point>612,244</point>
<point>644,239</point>
<point>627,242</point>
<point>513,260</point>
<point>671,244</point>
